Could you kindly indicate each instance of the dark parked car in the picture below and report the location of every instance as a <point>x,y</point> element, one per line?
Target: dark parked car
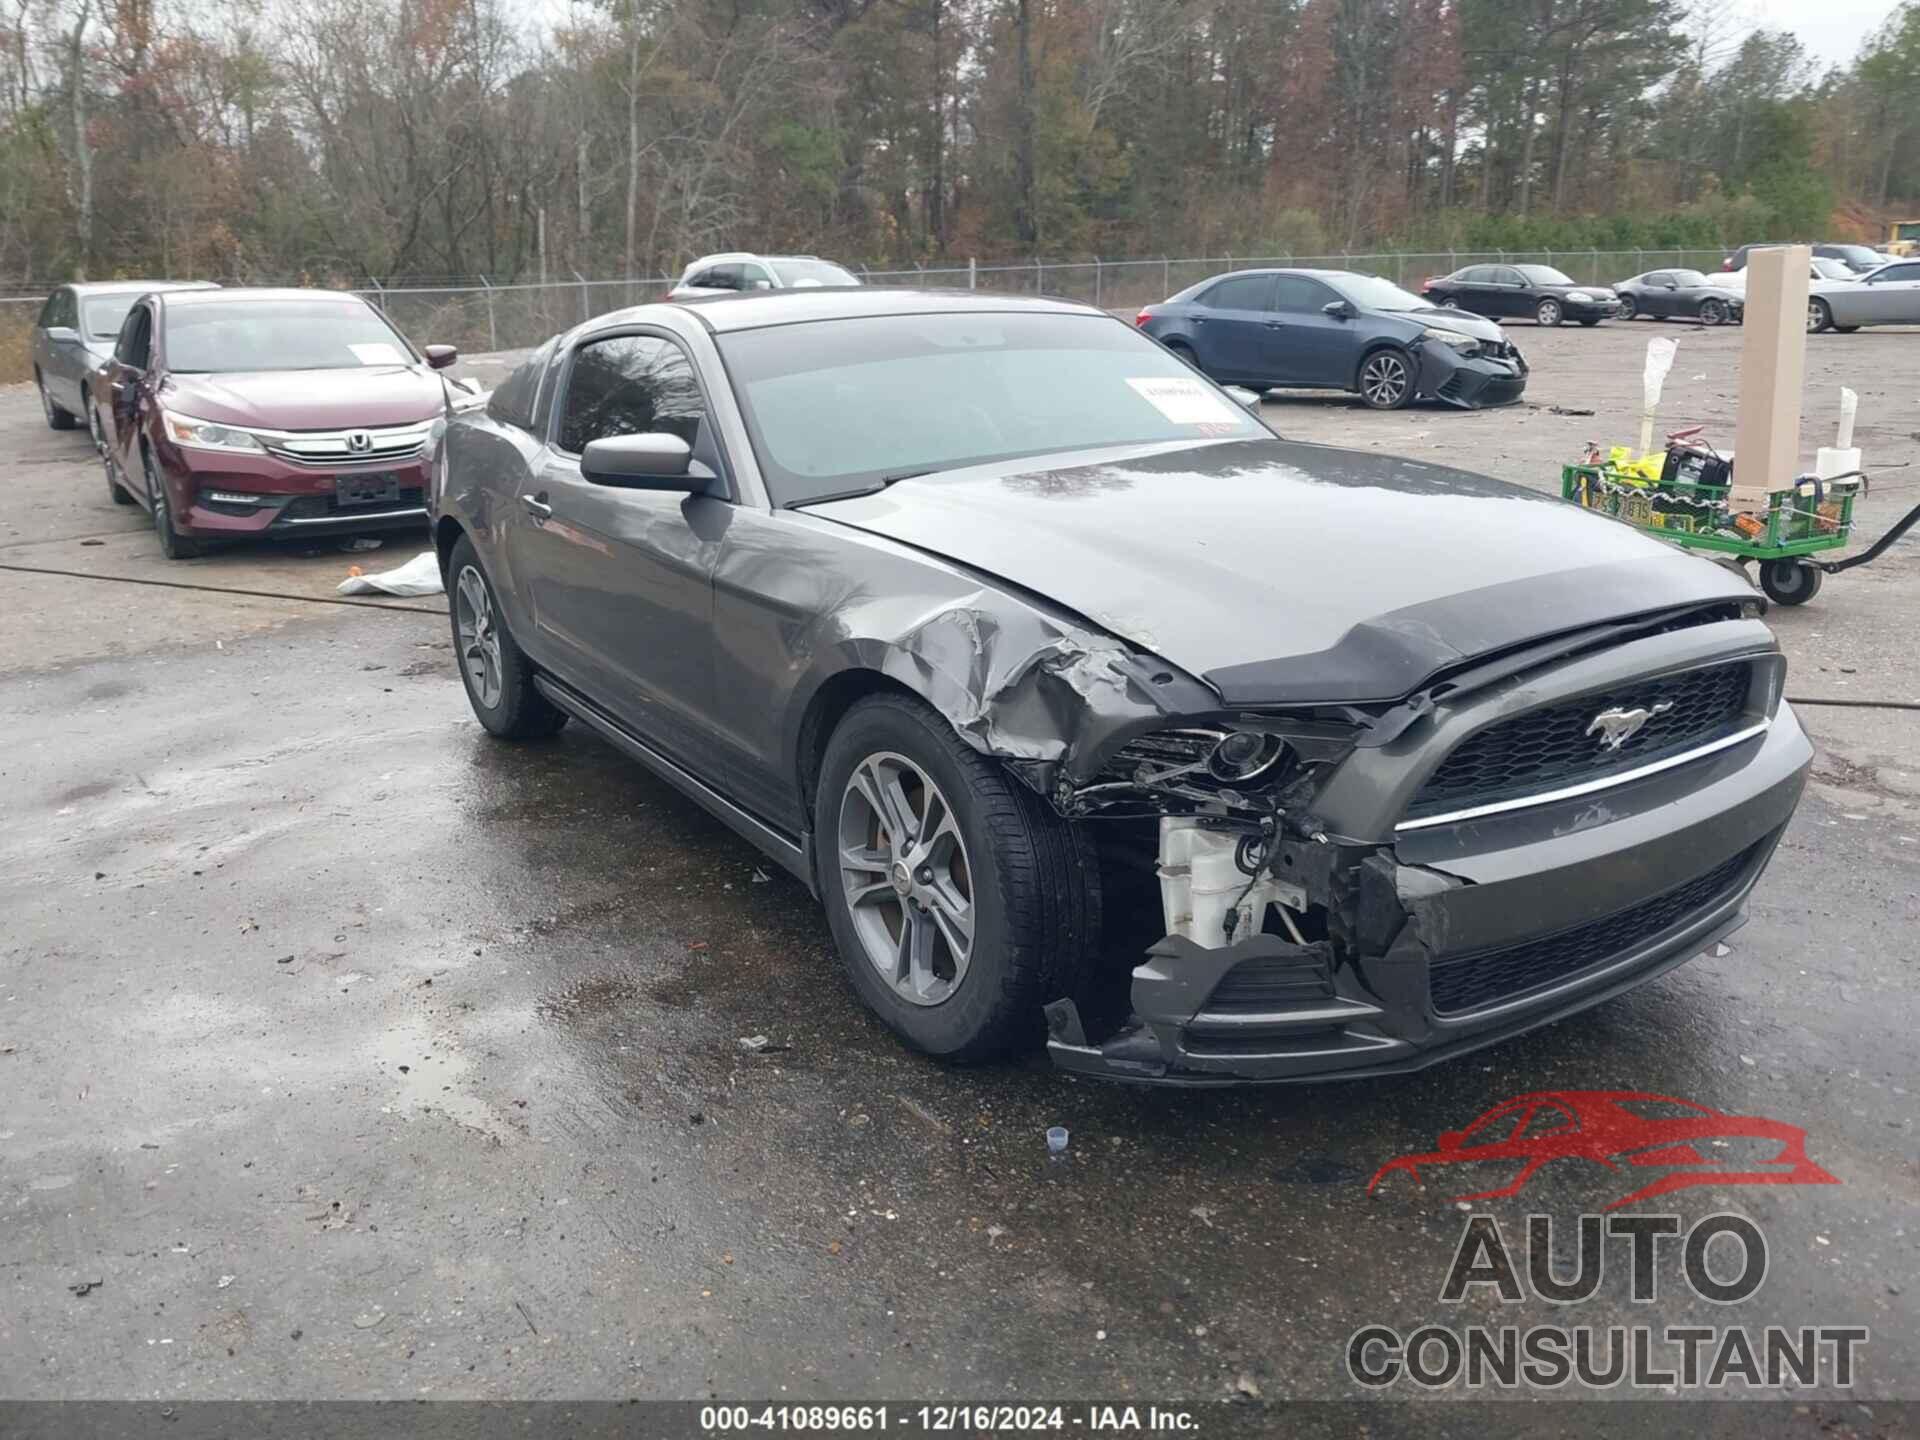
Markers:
<point>1335,330</point>
<point>1858,259</point>
<point>73,337</point>
<point>247,414</point>
<point>1671,294</point>
<point>1237,758</point>
<point>1508,292</point>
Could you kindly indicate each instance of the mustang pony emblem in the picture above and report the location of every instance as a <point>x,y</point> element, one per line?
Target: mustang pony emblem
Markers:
<point>1617,726</point>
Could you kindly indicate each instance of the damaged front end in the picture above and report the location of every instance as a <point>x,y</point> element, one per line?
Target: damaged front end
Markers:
<point>1327,901</point>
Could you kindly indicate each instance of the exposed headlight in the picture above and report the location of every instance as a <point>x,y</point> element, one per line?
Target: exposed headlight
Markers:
<point>1466,344</point>
<point>207,435</point>
<point>1243,755</point>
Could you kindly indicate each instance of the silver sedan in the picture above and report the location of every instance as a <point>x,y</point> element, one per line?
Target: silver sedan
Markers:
<point>1887,296</point>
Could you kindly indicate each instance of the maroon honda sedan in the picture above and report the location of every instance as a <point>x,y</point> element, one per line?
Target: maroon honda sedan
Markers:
<point>268,413</point>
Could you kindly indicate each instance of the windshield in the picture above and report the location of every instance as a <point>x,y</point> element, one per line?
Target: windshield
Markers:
<point>1857,255</point>
<point>1370,292</point>
<point>1544,275</point>
<point>840,407</point>
<point>235,335</point>
<point>804,274</point>
<point>1685,278</point>
<point>104,317</point>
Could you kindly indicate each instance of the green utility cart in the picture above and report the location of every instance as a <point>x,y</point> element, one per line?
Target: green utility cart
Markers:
<point>1797,525</point>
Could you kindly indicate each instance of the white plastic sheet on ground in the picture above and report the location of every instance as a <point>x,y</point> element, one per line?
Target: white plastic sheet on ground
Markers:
<point>419,576</point>
<point>1652,379</point>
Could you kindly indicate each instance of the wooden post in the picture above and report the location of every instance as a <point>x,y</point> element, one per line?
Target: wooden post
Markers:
<point>1773,362</point>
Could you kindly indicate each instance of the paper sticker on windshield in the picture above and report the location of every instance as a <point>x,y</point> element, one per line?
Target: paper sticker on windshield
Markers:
<point>378,354</point>
<point>1184,401</point>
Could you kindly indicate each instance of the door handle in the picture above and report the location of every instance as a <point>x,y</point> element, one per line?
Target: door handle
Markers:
<point>1199,319</point>
<point>537,505</point>
<point>1276,324</point>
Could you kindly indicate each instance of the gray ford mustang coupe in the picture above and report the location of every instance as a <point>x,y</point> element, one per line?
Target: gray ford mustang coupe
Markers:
<point>1092,709</point>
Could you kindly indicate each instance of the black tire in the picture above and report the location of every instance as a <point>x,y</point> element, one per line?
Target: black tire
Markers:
<point>1450,303</point>
<point>519,711</point>
<point>1629,308</point>
<point>1035,884</point>
<point>173,544</point>
<point>1549,312</point>
<point>1845,329</point>
<point>1185,352</point>
<point>115,491</point>
<point>1819,316</point>
<point>1386,379</point>
<point>1713,312</point>
<point>1790,582</point>
<point>58,416</point>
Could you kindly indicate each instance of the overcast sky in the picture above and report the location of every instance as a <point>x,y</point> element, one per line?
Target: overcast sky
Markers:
<point>1830,29</point>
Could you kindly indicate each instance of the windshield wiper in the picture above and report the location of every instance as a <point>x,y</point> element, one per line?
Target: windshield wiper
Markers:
<point>886,480</point>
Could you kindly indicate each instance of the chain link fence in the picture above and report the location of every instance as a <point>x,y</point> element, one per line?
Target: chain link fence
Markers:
<point>481,316</point>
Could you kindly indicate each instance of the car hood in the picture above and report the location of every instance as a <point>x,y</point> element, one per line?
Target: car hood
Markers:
<point>367,395</point>
<point>1604,292</point>
<point>1286,573</point>
<point>1441,318</point>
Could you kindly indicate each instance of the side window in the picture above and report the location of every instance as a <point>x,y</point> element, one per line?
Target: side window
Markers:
<point>1657,278</point>
<point>1506,275</point>
<point>1240,292</point>
<point>629,385</point>
<point>1900,272</point>
<point>755,277</point>
<point>66,309</point>
<point>1297,292</point>
<point>132,347</point>
<point>1476,275</point>
<point>1545,1120</point>
<point>721,277</point>
<point>48,310</point>
<point>512,400</point>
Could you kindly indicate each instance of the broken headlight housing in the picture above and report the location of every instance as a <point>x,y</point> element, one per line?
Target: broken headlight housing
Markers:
<point>1465,344</point>
<point>209,434</point>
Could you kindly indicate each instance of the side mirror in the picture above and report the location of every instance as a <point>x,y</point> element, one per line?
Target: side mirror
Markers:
<point>655,460</point>
<point>1340,309</point>
<point>63,335</point>
<point>1250,399</point>
<point>439,357</point>
<point>761,285</point>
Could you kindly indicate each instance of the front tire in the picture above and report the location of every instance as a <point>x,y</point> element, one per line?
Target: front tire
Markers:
<point>1713,312</point>
<point>959,901</point>
<point>1629,309</point>
<point>1386,380</point>
<point>494,669</point>
<point>58,417</point>
<point>1790,582</point>
<point>1819,316</point>
<point>1549,312</point>
<point>173,544</point>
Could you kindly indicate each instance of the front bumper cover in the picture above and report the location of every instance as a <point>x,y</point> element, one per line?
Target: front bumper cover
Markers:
<point>1268,1011</point>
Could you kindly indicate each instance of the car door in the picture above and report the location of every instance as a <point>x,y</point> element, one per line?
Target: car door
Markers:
<point>1509,294</point>
<point>1230,323</point>
<point>65,363</point>
<point>1892,296</point>
<point>1303,344</point>
<point>619,580</point>
<point>1482,294</point>
<point>1654,294</point>
<point>131,394</point>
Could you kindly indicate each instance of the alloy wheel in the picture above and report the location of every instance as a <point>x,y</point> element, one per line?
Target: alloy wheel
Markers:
<point>907,878</point>
<point>1383,380</point>
<point>1548,313</point>
<point>479,637</point>
<point>1816,317</point>
<point>1713,313</point>
<point>157,504</point>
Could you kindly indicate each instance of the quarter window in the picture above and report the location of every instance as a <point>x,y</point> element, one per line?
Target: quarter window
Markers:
<point>630,385</point>
<point>512,400</point>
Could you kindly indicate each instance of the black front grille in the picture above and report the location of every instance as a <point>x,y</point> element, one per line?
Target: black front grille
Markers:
<point>1273,982</point>
<point>1559,745</point>
<point>325,507</point>
<point>1460,983</point>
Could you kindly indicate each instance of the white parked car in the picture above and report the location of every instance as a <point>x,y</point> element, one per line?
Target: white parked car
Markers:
<point>1821,269</point>
<point>736,271</point>
<point>1889,295</point>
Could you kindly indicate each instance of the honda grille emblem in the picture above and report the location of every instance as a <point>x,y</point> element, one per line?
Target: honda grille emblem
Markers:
<point>359,440</point>
<point>1617,726</point>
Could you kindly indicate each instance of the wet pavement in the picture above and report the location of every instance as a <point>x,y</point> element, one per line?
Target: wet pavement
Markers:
<point>347,1052</point>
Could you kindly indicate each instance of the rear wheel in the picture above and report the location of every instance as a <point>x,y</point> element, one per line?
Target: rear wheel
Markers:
<point>1790,582</point>
<point>1386,380</point>
<point>495,671</point>
<point>960,903</point>
<point>173,544</point>
<point>1713,312</point>
<point>1185,352</point>
<point>1549,312</point>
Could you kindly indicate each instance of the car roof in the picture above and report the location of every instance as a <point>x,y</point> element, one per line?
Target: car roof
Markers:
<point>192,297</point>
<point>84,288</point>
<point>729,256</point>
<point>758,309</point>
